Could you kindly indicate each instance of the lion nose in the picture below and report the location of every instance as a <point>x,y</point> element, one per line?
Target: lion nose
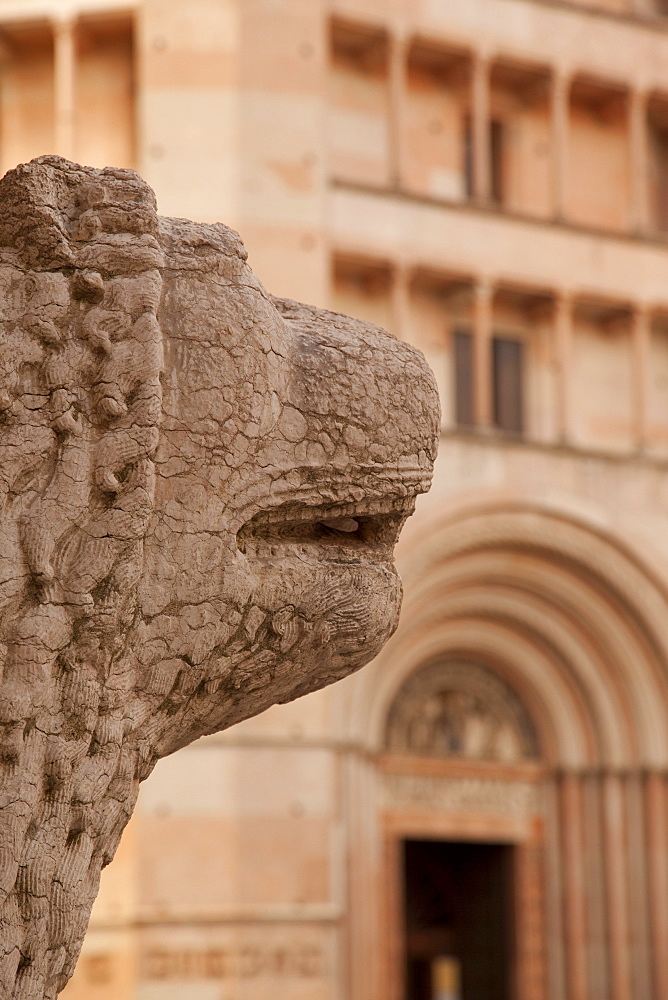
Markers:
<point>376,395</point>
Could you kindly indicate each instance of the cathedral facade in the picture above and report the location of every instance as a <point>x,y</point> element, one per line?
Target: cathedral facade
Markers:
<point>482,812</point>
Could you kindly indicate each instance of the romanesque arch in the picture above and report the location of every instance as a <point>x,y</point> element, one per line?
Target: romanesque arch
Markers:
<point>571,621</point>
<point>568,613</point>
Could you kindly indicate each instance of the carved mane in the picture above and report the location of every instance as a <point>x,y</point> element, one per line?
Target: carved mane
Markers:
<point>80,421</point>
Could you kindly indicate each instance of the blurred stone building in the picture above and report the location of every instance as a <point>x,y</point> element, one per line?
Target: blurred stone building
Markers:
<point>481,814</point>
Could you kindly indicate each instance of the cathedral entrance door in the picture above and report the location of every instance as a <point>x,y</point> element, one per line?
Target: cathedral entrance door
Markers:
<point>458,923</point>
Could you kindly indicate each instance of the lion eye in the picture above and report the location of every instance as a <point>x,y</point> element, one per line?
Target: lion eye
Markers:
<point>347,524</point>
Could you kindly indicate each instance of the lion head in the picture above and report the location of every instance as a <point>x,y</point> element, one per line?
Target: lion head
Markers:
<point>201,489</point>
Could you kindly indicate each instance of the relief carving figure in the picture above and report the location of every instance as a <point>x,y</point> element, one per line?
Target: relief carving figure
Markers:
<point>200,491</point>
<point>453,708</point>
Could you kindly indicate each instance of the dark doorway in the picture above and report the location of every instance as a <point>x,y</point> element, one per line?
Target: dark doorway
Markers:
<point>458,920</point>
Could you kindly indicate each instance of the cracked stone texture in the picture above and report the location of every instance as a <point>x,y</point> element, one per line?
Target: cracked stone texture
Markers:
<point>201,487</point>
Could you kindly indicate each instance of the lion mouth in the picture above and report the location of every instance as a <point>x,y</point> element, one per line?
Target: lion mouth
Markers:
<point>344,533</point>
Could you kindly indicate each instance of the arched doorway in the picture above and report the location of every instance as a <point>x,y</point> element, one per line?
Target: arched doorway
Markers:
<point>567,624</point>
<point>461,747</point>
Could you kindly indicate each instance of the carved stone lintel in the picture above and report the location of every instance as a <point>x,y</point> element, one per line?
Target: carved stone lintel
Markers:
<point>518,801</point>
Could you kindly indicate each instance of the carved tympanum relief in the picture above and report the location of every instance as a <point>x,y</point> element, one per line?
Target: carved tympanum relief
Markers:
<point>452,708</point>
<point>200,487</point>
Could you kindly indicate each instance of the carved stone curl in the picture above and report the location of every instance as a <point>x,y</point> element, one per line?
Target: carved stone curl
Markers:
<point>201,487</point>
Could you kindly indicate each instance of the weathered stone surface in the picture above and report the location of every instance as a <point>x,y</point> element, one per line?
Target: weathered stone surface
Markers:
<point>201,488</point>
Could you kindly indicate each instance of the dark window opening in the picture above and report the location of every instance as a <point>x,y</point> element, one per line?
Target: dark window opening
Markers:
<point>496,161</point>
<point>467,148</point>
<point>463,371</point>
<point>660,165</point>
<point>497,140</point>
<point>507,384</point>
<point>458,926</point>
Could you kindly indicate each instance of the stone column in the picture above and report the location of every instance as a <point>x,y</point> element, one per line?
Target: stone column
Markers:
<point>480,127</point>
<point>640,958</point>
<point>64,40</point>
<point>641,329</point>
<point>656,816</point>
<point>398,55</point>
<point>563,332</point>
<point>560,109</point>
<point>483,316</point>
<point>614,850</point>
<point>367,923</point>
<point>575,920</point>
<point>639,160</point>
<point>530,979</point>
<point>597,929</point>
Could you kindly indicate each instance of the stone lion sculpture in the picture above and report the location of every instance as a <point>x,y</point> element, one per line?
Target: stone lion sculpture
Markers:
<point>201,488</point>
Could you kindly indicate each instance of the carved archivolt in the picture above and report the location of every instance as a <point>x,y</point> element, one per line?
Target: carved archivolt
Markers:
<point>452,708</point>
<point>572,615</point>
